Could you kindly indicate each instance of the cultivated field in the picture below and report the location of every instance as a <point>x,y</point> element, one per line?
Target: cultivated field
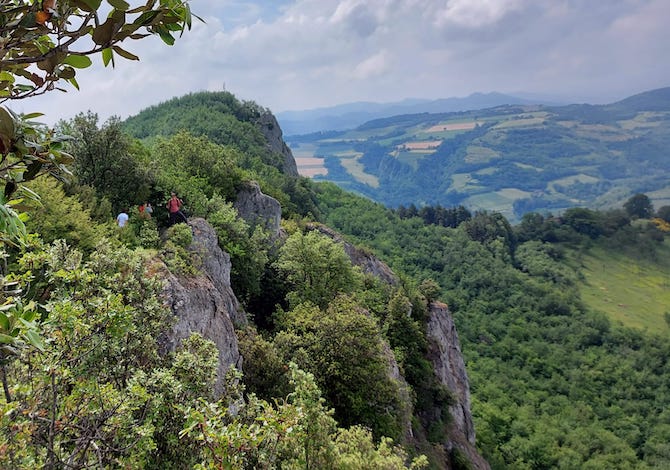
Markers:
<point>425,145</point>
<point>310,166</point>
<point>454,126</point>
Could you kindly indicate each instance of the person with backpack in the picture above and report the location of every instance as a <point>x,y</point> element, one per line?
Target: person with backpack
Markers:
<point>174,206</point>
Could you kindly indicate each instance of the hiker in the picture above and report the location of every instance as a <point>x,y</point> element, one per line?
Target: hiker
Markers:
<point>145,211</point>
<point>174,206</point>
<point>122,218</point>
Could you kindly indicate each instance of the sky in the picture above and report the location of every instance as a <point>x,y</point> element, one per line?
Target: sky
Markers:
<point>305,54</point>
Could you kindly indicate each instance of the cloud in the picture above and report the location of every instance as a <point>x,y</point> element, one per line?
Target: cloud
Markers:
<point>308,53</point>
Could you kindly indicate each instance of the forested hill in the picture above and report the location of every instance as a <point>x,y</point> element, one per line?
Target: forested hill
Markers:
<point>562,321</point>
<point>511,159</point>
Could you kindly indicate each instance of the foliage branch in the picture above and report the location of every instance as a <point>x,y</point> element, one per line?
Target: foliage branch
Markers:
<point>43,42</point>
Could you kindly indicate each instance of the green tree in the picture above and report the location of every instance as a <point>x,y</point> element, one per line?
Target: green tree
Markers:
<point>316,267</point>
<point>298,433</point>
<point>59,216</point>
<point>639,206</point>
<point>663,212</point>
<point>196,169</point>
<point>106,162</point>
<point>247,247</point>
<point>342,346</point>
<point>584,221</point>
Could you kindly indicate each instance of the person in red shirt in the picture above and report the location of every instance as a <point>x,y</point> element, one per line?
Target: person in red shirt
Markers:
<point>174,206</point>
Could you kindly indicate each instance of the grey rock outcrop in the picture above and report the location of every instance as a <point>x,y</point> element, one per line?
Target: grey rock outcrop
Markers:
<point>205,303</point>
<point>269,126</point>
<point>257,208</point>
<point>445,354</point>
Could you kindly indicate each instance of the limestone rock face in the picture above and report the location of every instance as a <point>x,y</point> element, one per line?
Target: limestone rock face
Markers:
<point>445,354</point>
<point>257,208</point>
<point>269,126</point>
<point>205,303</point>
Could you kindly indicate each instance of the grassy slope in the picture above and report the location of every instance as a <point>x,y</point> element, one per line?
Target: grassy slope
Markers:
<point>634,291</point>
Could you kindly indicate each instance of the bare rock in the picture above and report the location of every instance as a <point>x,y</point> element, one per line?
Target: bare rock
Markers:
<point>257,208</point>
<point>205,303</point>
<point>269,126</point>
<point>445,354</point>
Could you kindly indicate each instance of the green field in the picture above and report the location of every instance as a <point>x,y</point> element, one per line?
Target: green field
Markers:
<point>632,291</point>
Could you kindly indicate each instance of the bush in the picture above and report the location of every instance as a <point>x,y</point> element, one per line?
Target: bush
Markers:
<point>180,234</point>
<point>148,235</point>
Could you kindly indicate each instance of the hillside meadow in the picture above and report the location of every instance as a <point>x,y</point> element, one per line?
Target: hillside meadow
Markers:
<point>631,290</point>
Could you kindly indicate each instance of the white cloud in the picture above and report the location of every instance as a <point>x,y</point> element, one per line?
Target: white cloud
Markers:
<point>308,53</point>
<point>371,67</point>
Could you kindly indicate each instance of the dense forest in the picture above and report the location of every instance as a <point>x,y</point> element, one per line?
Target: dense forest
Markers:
<point>555,383</point>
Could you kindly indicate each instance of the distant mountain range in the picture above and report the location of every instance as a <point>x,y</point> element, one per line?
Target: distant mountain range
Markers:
<point>351,115</point>
<point>512,159</point>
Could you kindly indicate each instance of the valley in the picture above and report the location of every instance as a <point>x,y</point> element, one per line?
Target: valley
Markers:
<point>510,159</point>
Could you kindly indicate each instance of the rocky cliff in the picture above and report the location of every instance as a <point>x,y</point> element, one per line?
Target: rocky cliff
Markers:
<point>445,353</point>
<point>205,303</point>
<point>269,126</point>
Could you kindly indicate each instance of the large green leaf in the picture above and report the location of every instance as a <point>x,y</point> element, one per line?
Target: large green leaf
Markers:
<point>103,34</point>
<point>78,61</point>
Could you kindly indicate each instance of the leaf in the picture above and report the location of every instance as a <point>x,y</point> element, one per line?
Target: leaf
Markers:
<point>166,37</point>
<point>93,5</point>
<point>7,126</point>
<point>147,18</point>
<point>7,339</point>
<point>28,20</point>
<point>32,171</point>
<point>4,322</point>
<point>32,115</point>
<point>6,77</point>
<point>119,4</point>
<point>125,54</point>
<point>103,34</point>
<point>29,315</point>
<point>34,339</point>
<point>78,61</point>
<point>107,56</point>
<point>67,73</point>
<point>74,83</point>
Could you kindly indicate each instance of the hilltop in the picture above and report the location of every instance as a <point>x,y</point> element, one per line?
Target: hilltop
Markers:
<point>512,159</point>
<point>351,115</point>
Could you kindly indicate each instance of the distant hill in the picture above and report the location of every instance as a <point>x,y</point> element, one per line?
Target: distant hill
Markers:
<point>351,115</point>
<point>512,158</point>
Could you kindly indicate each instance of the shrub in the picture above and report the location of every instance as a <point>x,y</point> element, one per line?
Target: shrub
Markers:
<point>180,234</point>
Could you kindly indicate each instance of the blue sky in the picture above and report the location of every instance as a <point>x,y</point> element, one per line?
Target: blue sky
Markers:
<point>303,54</point>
